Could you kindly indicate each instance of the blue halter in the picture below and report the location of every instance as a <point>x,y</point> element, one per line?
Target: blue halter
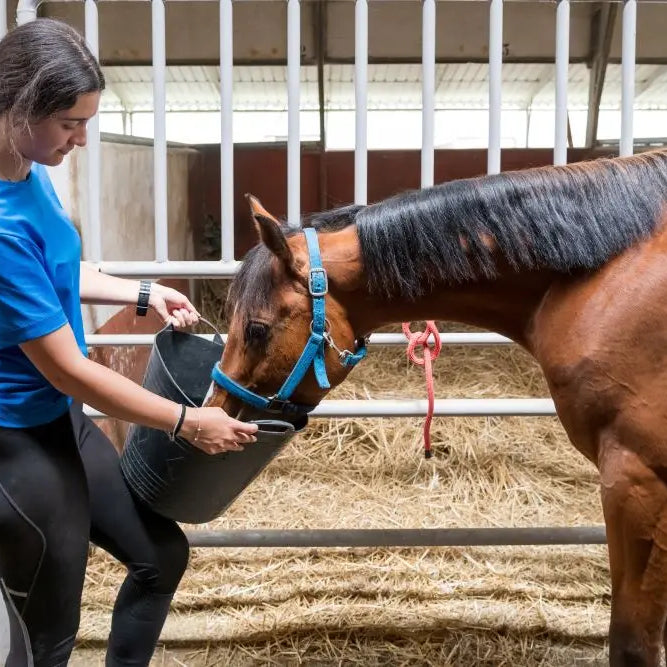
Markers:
<point>313,352</point>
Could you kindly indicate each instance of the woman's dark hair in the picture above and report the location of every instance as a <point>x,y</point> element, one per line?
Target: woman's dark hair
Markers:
<point>44,66</point>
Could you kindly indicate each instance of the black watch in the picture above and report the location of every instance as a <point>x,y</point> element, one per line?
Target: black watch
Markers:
<point>144,294</point>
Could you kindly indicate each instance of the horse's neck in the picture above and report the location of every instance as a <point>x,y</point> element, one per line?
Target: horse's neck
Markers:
<point>495,305</point>
<point>505,304</point>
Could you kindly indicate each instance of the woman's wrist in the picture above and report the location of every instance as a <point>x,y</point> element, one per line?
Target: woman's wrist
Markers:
<point>191,426</point>
<point>143,297</point>
<point>175,431</point>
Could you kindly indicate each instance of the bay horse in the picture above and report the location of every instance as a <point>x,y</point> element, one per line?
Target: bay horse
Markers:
<point>569,262</point>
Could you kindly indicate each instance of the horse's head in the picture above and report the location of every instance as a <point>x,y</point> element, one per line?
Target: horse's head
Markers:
<point>284,321</point>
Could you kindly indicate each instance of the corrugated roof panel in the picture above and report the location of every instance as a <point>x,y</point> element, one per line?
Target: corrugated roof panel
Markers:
<point>458,86</point>
<point>110,101</point>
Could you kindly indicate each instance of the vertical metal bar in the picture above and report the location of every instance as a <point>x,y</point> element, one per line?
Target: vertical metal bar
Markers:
<point>226,131</point>
<point>293,111</point>
<point>628,76</point>
<point>428,92</point>
<point>361,102</point>
<point>495,83</point>
<point>160,131</point>
<point>26,11</point>
<point>321,41</point>
<point>3,18</point>
<point>562,68</point>
<point>93,150</point>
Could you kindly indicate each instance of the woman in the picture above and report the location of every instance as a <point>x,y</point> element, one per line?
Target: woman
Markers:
<point>60,481</point>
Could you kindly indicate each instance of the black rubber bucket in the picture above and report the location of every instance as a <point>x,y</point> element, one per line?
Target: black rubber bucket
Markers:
<point>175,479</point>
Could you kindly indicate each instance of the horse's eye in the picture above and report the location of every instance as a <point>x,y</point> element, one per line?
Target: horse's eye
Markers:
<point>257,333</point>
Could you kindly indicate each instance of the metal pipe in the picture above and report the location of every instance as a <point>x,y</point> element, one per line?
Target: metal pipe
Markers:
<point>181,269</point>
<point>95,340</point>
<point>361,102</point>
<point>226,131</point>
<point>428,92</point>
<point>26,11</point>
<point>628,76</point>
<point>495,84</point>
<point>3,18</point>
<point>397,537</point>
<point>562,69</point>
<point>160,131</point>
<point>320,36</point>
<point>449,407</point>
<point>93,149</point>
<point>293,112</point>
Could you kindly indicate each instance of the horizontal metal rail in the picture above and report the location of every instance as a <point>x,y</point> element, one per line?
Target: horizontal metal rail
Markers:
<point>445,407</point>
<point>170,269</point>
<point>97,340</point>
<point>409,537</point>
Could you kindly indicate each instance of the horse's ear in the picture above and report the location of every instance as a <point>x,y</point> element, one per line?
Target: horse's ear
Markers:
<point>258,210</point>
<point>270,232</point>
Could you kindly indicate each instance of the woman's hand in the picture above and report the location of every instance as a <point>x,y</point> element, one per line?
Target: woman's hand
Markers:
<point>213,431</point>
<point>172,306</point>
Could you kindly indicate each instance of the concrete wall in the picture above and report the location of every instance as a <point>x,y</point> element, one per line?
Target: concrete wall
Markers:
<point>127,200</point>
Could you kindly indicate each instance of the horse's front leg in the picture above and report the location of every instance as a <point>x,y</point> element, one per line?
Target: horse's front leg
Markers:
<point>634,501</point>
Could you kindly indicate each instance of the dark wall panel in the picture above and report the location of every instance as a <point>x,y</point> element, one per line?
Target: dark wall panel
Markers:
<point>327,181</point>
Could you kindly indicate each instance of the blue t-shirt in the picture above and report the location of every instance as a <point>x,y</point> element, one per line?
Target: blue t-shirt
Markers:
<point>40,251</point>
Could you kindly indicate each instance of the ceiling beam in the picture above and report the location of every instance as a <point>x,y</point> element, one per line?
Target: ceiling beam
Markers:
<point>602,29</point>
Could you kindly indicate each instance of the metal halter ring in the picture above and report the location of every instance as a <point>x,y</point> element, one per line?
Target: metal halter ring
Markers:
<point>327,327</point>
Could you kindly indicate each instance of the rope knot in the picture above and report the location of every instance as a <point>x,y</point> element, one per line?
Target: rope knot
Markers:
<point>421,338</point>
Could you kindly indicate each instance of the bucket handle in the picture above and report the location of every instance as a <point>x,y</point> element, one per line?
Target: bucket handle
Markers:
<point>217,336</point>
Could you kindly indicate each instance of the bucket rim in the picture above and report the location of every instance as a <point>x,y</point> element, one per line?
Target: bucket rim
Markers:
<point>169,328</point>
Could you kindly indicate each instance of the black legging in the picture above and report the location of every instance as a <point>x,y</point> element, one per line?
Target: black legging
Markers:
<point>61,486</point>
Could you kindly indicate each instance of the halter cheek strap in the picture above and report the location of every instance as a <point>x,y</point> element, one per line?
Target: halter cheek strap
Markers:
<point>313,352</point>
<point>318,286</point>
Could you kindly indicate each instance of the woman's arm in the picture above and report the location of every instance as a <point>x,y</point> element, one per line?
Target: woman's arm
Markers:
<point>84,380</point>
<point>101,289</point>
<point>59,360</point>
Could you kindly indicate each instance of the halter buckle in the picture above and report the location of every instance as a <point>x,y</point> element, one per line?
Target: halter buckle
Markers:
<point>323,273</point>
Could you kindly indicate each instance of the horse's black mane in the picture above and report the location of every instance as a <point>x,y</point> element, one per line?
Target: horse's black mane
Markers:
<point>563,219</point>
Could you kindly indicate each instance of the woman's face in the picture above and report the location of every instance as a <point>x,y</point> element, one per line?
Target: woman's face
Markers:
<point>50,139</point>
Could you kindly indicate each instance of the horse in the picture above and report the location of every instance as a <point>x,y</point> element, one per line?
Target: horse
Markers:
<point>570,262</point>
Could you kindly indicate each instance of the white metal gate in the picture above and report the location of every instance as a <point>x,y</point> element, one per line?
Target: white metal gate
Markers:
<point>227,265</point>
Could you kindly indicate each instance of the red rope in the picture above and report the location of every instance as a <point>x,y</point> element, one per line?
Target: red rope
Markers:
<point>430,354</point>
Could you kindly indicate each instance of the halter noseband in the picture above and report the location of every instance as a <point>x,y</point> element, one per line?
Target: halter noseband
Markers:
<point>313,352</point>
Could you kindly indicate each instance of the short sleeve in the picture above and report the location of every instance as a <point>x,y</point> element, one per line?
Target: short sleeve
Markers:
<point>29,305</point>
